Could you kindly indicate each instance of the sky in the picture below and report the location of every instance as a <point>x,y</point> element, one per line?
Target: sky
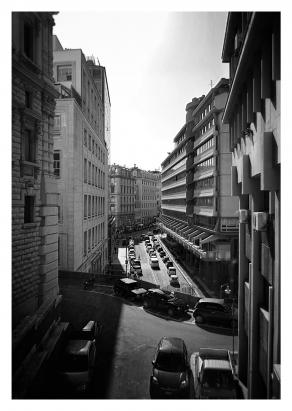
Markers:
<point>156,62</point>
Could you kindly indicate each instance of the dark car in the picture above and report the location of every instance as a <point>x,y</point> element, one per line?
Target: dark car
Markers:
<point>159,249</point>
<point>162,253</point>
<point>165,259</point>
<point>215,310</point>
<point>170,373</point>
<point>161,300</point>
<point>169,264</point>
<point>126,287</point>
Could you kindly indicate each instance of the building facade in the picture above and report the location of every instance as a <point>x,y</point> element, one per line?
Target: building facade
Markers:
<point>122,197</point>
<point>197,208</point>
<point>147,195</point>
<point>80,163</point>
<point>252,49</point>
<point>35,299</point>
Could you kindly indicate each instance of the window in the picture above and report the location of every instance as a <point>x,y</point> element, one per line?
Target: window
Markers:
<point>28,209</point>
<point>28,43</point>
<point>85,170</point>
<point>28,99</point>
<point>57,163</point>
<point>57,122</point>
<point>85,243</point>
<point>85,137</point>
<point>64,73</point>
<point>29,146</point>
<point>85,206</point>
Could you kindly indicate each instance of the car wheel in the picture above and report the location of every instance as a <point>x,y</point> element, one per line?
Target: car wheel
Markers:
<point>199,319</point>
<point>170,312</point>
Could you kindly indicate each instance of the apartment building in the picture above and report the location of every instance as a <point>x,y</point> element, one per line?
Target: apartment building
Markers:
<point>252,49</point>
<point>122,196</point>
<point>36,326</point>
<point>197,208</point>
<point>80,163</point>
<point>147,195</point>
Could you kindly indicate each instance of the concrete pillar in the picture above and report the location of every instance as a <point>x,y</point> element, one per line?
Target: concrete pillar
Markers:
<point>256,296</point>
<point>243,276</point>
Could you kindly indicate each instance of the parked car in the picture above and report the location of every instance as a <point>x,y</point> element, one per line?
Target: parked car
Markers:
<point>213,373</point>
<point>162,253</point>
<point>77,359</point>
<point>171,271</point>
<point>135,267</point>
<point>152,253</point>
<point>149,249</point>
<point>169,264</point>
<point>215,310</point>
<point>170,374</point>
<point>126,287</point>
<point>157,245</point>
<point>165,259</point>
<point>165,301</point>
<point>154,262</point>
<point>174,279</point>
<point>159,249</point>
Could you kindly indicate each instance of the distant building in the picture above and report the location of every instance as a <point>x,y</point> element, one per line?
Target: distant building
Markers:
<point>35,300</point>
<point>122,197</point>
<point>148,195</point>
<point>252,49</point>
<point>198,211</point>
<point>80,162</point>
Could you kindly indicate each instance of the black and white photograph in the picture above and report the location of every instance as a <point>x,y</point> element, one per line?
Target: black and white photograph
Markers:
<point>145,203</point>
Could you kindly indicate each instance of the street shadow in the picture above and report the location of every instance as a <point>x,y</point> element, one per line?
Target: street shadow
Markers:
<point>184,317</point>
<point>216,329</point>
<point>78,307</point>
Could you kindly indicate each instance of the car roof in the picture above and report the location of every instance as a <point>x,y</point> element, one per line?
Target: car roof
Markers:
<point>127,280</point>
<point>173,344</point>
<point>217,364</point>
<point>153,259</point>
<point>156,291</point>
<point>212,300</point>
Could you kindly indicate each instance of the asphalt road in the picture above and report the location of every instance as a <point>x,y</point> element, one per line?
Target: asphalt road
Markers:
<point>129,340</point>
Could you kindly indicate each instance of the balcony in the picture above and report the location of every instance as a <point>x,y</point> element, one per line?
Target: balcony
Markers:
<point>178,183</point>
<point>207,211</point>
<point>201,157</point>
<point>173,196</point>
<point>175,160</point>
<point>176,171</point>
<point>180,208</point>
<point>205,192</point>
<point>204,173</point>
<point>205,136</point>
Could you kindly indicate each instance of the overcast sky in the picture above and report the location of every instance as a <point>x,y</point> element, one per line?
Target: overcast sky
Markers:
<point>156,62</point>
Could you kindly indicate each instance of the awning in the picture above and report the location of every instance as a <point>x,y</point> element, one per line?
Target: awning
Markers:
<point>212,237</point>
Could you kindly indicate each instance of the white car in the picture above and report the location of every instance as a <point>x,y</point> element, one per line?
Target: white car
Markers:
<point>171,271</point>
<point>154,262</point>
<point>174,279</point>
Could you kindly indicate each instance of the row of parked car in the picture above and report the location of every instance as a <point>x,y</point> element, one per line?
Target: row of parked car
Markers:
<point>156,247</point>
<point>210,372</point>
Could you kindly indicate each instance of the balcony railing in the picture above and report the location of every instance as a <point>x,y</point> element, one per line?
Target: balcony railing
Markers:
<point>174,184</point>
<point>176,171</point>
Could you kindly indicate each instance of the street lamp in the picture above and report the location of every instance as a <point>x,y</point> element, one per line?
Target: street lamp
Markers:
<point>228,291</point>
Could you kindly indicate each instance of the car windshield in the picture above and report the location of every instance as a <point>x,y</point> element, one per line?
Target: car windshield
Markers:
<point>217,379</point>
<point>74,363</point>
<point>170,362</point>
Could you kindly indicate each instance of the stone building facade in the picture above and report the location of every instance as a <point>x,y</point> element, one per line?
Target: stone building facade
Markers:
<point>147,195</point>
<point>35,300</point>
<point>80,163</point>
<point>252,49</point>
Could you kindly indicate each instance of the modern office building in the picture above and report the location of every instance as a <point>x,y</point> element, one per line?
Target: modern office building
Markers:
<point>80,163</point>
<point>252,49</point>
<point>122,197</point>
<point>147,195</point>
<point>197,208</point>
<point>35,292</point>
